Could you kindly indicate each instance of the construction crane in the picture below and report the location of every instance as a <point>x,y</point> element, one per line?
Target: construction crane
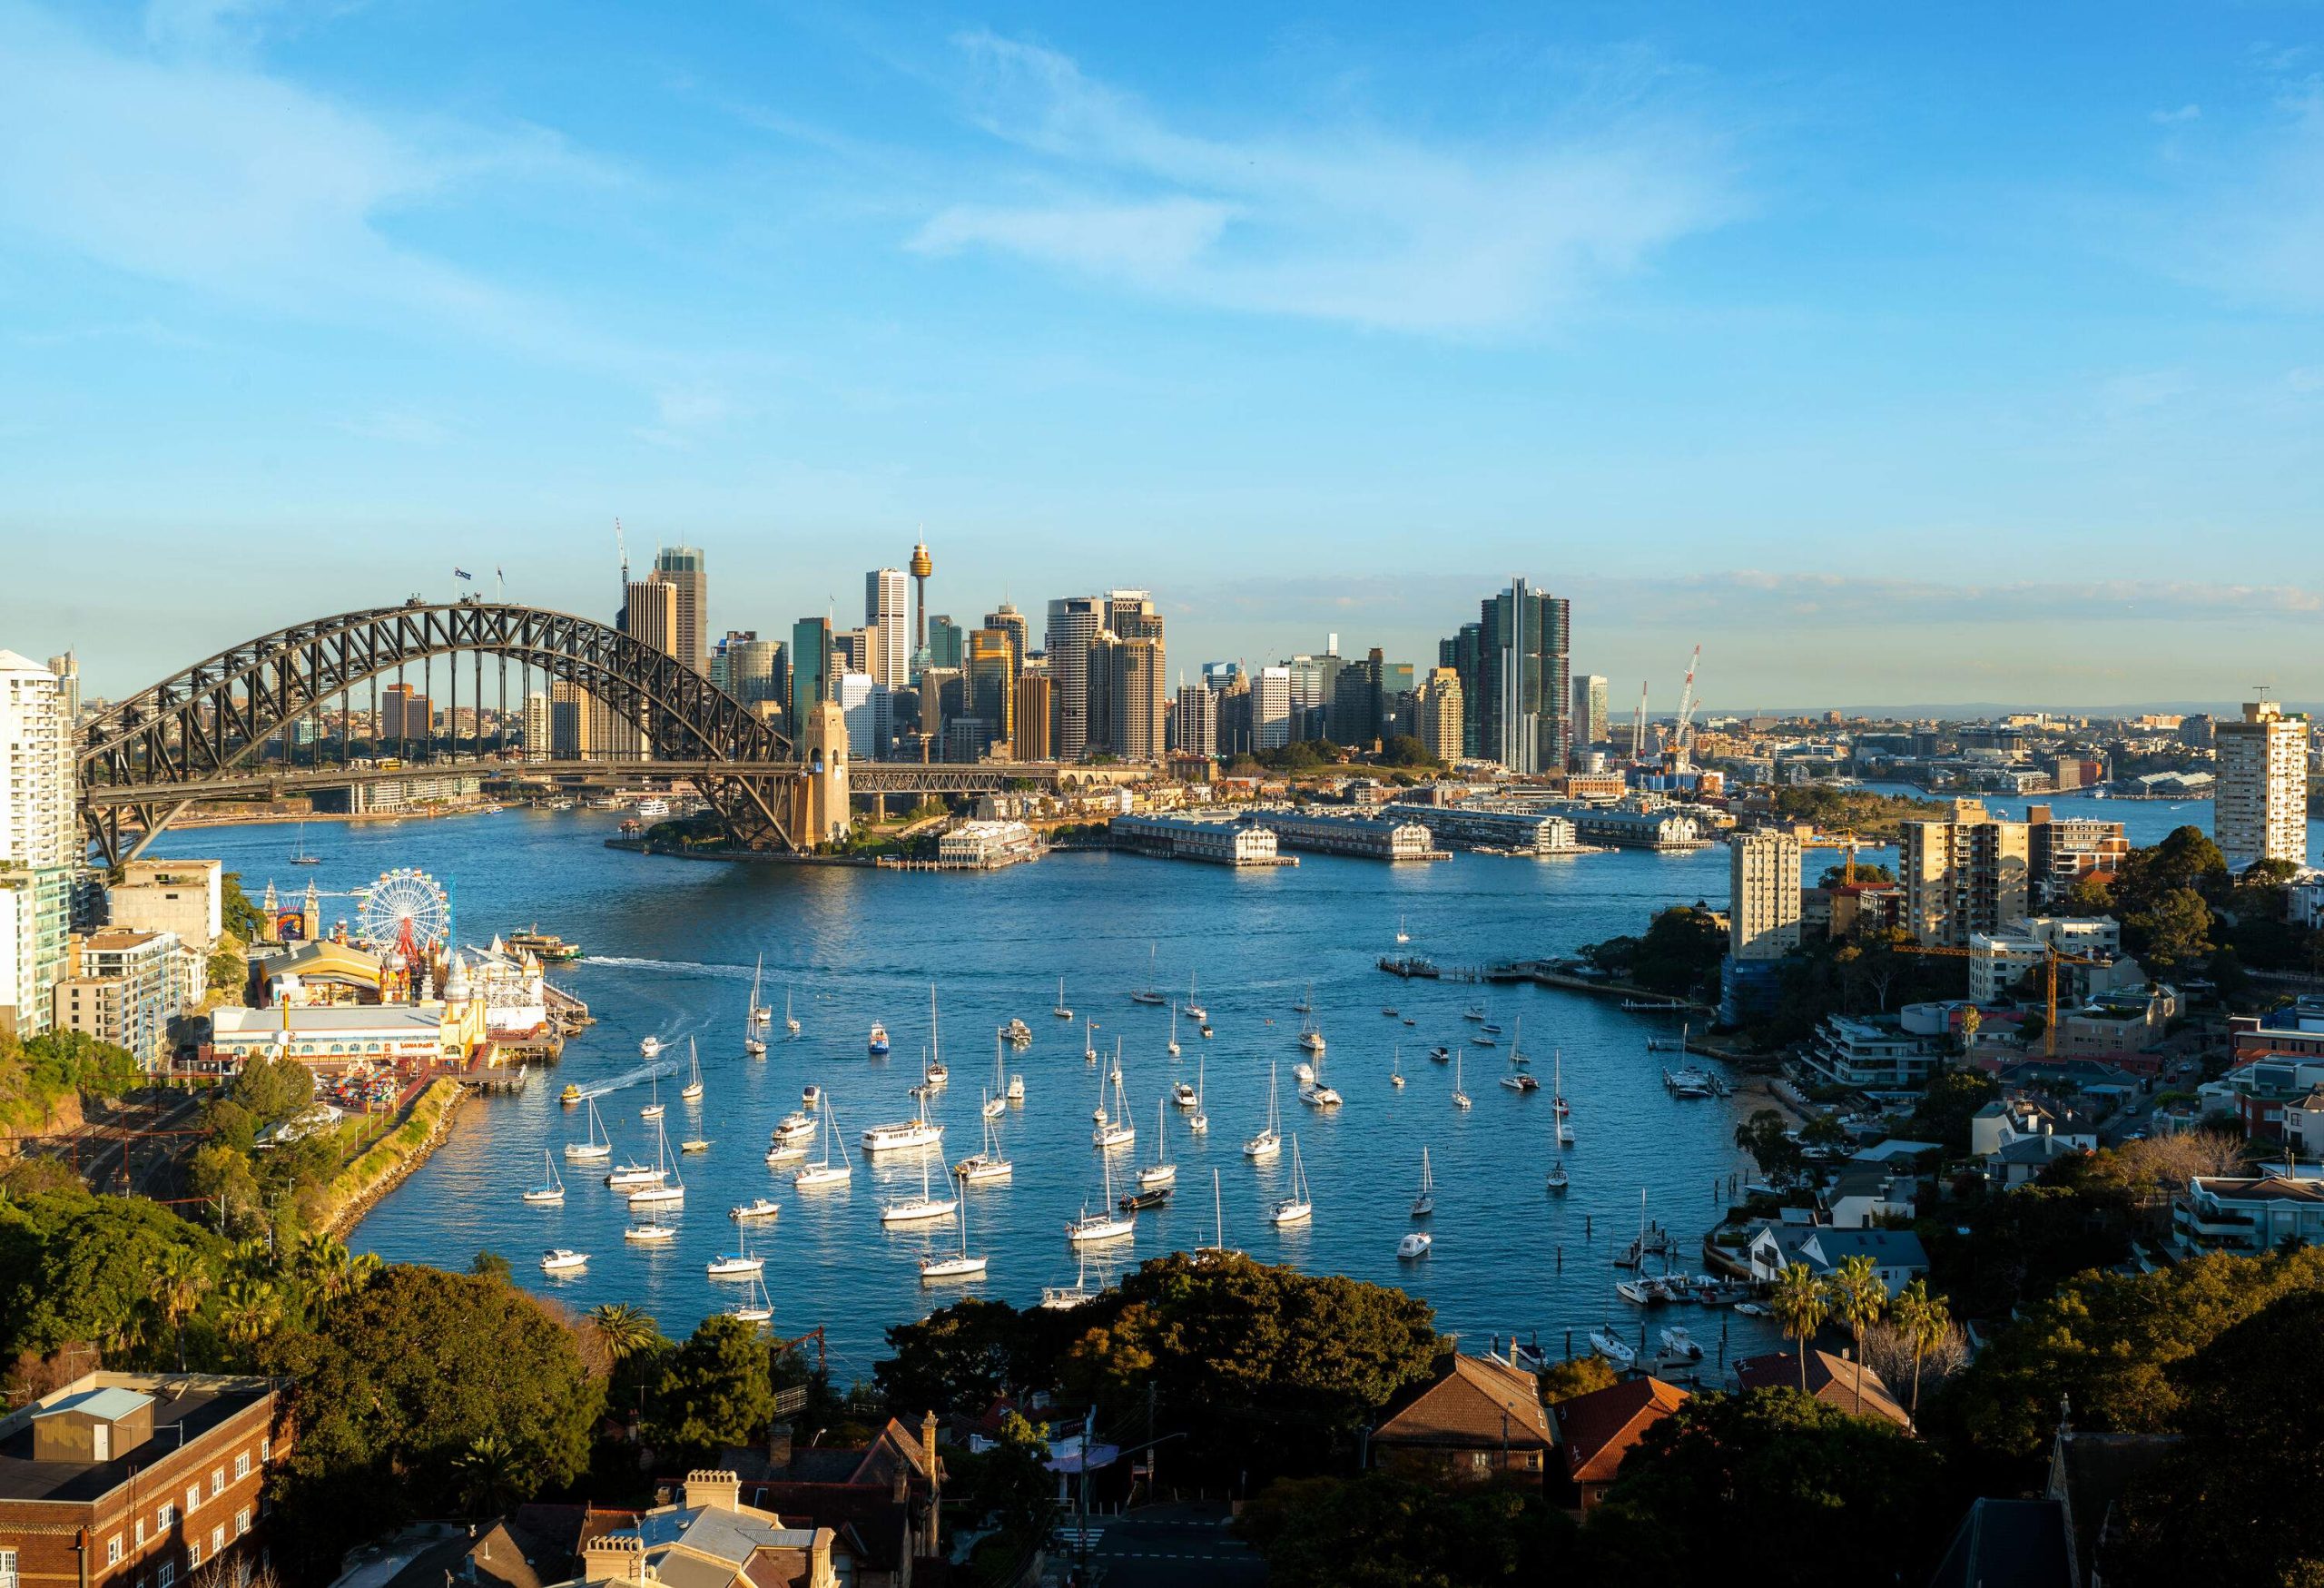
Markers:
<point>2052,960</point>
<point>1682,738</point>
<point>1848,841</point>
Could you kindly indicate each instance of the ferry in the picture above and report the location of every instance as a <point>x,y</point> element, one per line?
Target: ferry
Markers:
<point>906,1133</point>
<point>878,1045</point>
<point>542,945</point>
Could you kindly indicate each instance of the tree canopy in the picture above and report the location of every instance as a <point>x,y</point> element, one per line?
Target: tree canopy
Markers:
<point>1386,1530</point>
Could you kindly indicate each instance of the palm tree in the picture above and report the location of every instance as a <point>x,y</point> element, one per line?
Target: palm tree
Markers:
<point>1924,1322</point>
<point>1858,1298</point>
<point>248,1310</point>
<point>1801,1306</point>
<point>626,1329</point>
<point>177,1288</point>
<point>488,1476</point>
<point>325,1270</point>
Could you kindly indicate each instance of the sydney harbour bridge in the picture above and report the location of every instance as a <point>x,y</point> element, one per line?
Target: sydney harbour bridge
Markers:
<point>246,723</point>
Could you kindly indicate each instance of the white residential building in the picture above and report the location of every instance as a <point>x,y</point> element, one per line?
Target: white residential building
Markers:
<point>2260,811</point>
<point>1270,708</point>
<point>1763,909</point>
<point>39,841</point>
<point>887,620</point>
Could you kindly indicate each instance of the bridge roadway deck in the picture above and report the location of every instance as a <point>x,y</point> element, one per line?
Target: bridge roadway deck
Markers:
<point>864,777</point>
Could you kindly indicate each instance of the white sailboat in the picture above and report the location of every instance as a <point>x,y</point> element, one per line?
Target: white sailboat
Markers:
<point>1300,1205</point>
<point>653,1109</point>
<point>986,1164</point>
<point>962,1267</point>
<point>790,1024</point>
<point>692,1092</point>
<point>1397,1069</point>
<point>1090,1042</point>
<point>1268,1142</point>
<point>1106,1224</point>
<point>550,1192</point>
<point>1517,1054</point>
<point>1558,1180</point>
<point>1113,1127</point>
<point>757,1306</point>
<point>670,1190</point>
<point>920,1208</point>
<point>737,1265</point>
<point>827,1173</point>
<point>1562,1115</point>
<point>651,1233</point>
<point>1065,1297</point>
<point>1315,1092</point>
<point>1460,1098</point>
<point>1149,993</point>
<point>1200,1122</point>
<point>596,1148</point>
<point>1425,1203</point>
<point>1161,1172</point>
<point>1173,1047</point>
<point>1217,1211</point>
<point>1193,1006</point>
<point>996,1103</point>
<point>1310,1037</point>
<point>760,1012</point>
<point>1402,935</point>
<point>934,1074</point>
<point>1062,1009</point>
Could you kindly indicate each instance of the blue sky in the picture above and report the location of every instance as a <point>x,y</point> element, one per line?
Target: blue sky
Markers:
<point>1893,353</point>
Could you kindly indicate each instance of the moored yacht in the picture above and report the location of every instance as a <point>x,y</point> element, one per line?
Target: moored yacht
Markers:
<point>560,1259</point>
<point>1268,1142</point>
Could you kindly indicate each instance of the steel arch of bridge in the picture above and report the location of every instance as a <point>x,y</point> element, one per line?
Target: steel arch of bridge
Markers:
<point>198,725</point>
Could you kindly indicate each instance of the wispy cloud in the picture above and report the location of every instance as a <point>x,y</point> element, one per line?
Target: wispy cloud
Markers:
<point>2176,118</point>
<point>1357,222</point>
<point>2255,225</point>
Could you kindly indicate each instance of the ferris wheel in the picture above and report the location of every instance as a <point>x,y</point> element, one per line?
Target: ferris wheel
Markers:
<point>406,909</point>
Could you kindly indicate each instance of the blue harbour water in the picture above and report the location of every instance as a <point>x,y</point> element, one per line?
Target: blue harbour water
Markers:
<point>671,945</point>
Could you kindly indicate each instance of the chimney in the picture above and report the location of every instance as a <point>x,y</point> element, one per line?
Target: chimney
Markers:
<point>928,1442</point>
<point>709,1490</point>
<point>900,1483</point>
<point>614,1557</point>
<point>778,1448</point>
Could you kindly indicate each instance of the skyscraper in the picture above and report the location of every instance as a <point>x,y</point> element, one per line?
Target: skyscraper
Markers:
<point>67,668</point>
<point>571,721</point>
<point>1074,622</point>
<point>1589,712</point>
<point>946,646</point>
<point>1270,708</point>
<point>40,841</point>
<point>811,668</point>
<point>2260,811</point>
<point>1763,895</point>
<point>683,568</point>
<point>1127,697</point>
<point>538,734</point>
<point>887,622</point>
<point>749,668</point>
<point>1463,652</point>
<point>406,719</point>
<point>1008,618</point>
<point>1356,702</point>
<point>1438,728</point>
<point>990,678</point>
<point>1524,680</point>
<point>1973,872</point>
<point>1029,717</point>
<point>1196,721</point>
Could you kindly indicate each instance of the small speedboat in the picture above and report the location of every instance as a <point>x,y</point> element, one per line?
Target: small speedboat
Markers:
<point>650,1046</point>
<point>760,1208</point>
<point>635,1174</point>
<point>558,1259</point>
<point>1206,1028</point>
<point>811,1097</point>
<point>1388,1011</point>
<point>1440,1055</point>
<point>786,1152</point>
<point>694,1144</point>
<point>1183,1096</point>
<point>1557,1180</point>
<point>1144,1199</point>
<point>877,1044</point>
<point>1415,1244</point>
<point>1753,1310</point>
<point>1520,1083</point>
<point>570,1095</point>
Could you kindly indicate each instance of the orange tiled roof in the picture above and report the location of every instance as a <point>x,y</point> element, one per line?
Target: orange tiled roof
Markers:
<point>1473,1402</point>
<point>1598,1429</point>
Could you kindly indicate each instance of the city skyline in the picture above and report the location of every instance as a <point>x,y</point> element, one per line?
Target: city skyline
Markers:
<point>1727,340</point>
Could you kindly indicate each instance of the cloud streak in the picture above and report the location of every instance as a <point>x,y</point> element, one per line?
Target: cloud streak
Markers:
<point>1356,225</point>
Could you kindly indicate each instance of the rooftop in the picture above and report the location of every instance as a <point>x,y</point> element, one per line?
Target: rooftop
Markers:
<point>1476,1400</point>
<point>185,1407</point>
<point>1830,1379</point>
<point>1599,1429</point>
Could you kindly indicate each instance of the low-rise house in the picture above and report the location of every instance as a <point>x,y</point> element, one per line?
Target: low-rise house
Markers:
<point>1896,1254</point>
<point>1480,1416</point>
<point>1851,1387</point>
<point>1875,1054</point>
<point>710,1539</point>
<point>881,1500</point>
<point>2251,1214</point>
<point>1862,1196</point>
<point>2294,1031</point>
<point>1595,1431</point>
<point>138,1477</point>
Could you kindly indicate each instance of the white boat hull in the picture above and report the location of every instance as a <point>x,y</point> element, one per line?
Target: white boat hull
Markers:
<point>952,1268</point>
<point>918,1212</point>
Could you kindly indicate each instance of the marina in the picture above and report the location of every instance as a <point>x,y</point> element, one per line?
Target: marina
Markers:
<point>673,950</point>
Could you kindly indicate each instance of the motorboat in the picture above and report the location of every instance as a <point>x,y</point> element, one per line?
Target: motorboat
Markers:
<point>560,1259</point>
<point>694,1144</point>
<point>757,1208</point>
<point>1139,1202</point>
<point>1299,1205</point>
<point>1424,1200</point>
<point>629,1175</point>
<point>794,1127</point>
<point>1184,1096</point>
<point>1641,1292</point>
<point>1268,1142</point>
<point>916,1132</point>
<point>1557,1180</point>
<point>1676,1349</point>
<point>1614,1349</point>
<point>1440,1055</point>
<point>877,1044</point>
<point>570,1095</point>
<point>650,1046</point>
<point>1520,1083</point>
<point>811,1097</point>
<point>1206,1028</point>
<point>1016,1034</point>
<point>1754,1310</point>
<point>1690,1082</point>
<point>1415,1243</point>
<point>784,1152</point>
<point>1304,1073</point>
<point>596,1148</point>
<point>920,1208</point>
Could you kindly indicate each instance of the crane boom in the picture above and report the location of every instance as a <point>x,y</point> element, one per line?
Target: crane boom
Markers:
<point>1680,737</point>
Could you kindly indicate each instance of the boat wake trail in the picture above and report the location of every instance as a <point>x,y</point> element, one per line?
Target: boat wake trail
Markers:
<point>629,1078</point>
<point>684,967</point>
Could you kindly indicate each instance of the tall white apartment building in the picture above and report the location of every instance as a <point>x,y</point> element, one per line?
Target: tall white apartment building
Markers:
<point>1763,908</point>
<point>887,621</point>
<point>537,732</point>
<point>39,841</point>
<point>2260,807</point>
<point>1270,708</point>
<point>1197,722</point>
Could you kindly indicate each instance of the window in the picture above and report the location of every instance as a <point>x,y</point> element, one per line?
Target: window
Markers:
<point>164,1574</point>
<point>7,1568</point>
<point>167,1515</point>
<point>241,1466</point>
<point>141,1533</point>
<point>192,1552</point>
<point>193,1498</point>
<point>217,1482</point>
<point>266,1448</point>
<point>242,1521</point>
<point>113,1550</point>
<point>217,1538</point>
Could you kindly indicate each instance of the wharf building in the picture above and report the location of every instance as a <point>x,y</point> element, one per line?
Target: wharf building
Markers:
<point>2260,810</point>
<point>1218,840</point>
<point>126,1479</point>
<point>1468,826</point>
<point>1363,837</point>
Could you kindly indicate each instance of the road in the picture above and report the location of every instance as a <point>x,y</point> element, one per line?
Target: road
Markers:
<point>1163,1546</point>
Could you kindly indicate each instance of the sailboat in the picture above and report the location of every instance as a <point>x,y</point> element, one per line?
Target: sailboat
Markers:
<point>996,1103</point>
<point>692,1092</point>
<point>1200,1123</point>
<point>1065,1297</point>
<point>1063,1011</point>
<point>1173,1048</point>
<point>1310,1038</point>
<point>1564,1118</point>
<point>760,1012</point>
<point>744,1264</point>
<point>1149,993</point>
<point>1557,1180</point>
<point>790,1024</point>
<point>962,1267</point>
<point>922,1208</point>
<point>1306,1004</point>
<point>757,1306</point>
<point>1195,1010</point>
<point>1218,1211</point>
<point>1397,1069</point>
<point>653,1110</point>
<point>550,1192</point>
<point>1106,1224</point>
<point>1268,1142</point>
<point>596,1146</point>
<point>298,855</point>
<point>1161,1172</point>
<point>1314,1093</point>
<point>755,1016</point>
<point>670,1190</point>
<point>1460,1098</point>
<point>1113,1128</point>
<point>1300,1205</point>
<point>1402,935</point>
<point>934,1074</point>
<point>1517,1054</point>
<point>985,1164</point>
<point>1425,1203</point>
<point>993,1107</point>
<point>1090,1042</point>
<point>827,1173</point>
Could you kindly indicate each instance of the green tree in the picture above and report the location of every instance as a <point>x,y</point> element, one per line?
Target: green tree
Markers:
<point>1386,1530</point>
<point>247,1311</point>
<point>716,1391</point>
<point>1947,1104</point>
<point>180,1282</point>
<point>1763,1137</point>
<point>1858,1298</point>
<point>245,920</point>
<point>1577,1375</point>
<point>1801,1303</point>
<point>491,1264</point>
<point>1012,1483</point>
<point>222,1174</point>
<point>1854,1500</point>
<point>626,1330</point>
